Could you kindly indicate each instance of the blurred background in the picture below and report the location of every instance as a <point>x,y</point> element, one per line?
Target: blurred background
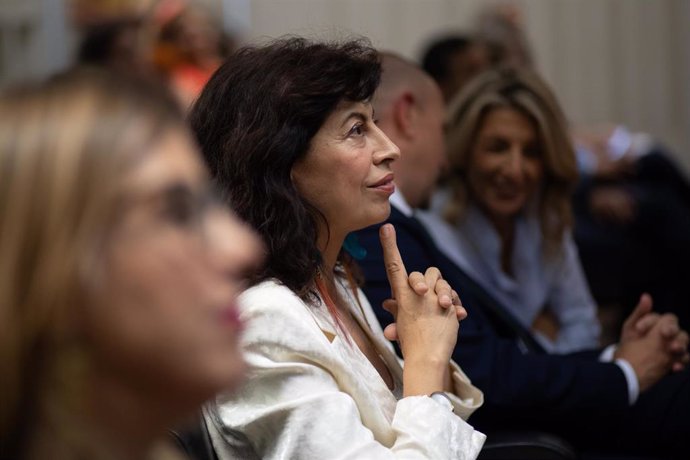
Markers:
<point>626,61</point>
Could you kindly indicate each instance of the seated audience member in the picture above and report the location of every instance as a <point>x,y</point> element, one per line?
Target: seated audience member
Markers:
<point>189,46</point>
<point>289,134</point>
<point>116,45</point>
<point>512,171</point>
<point>118,274</point>
<point>453,60</point>
<point>632,209</point>
<point>632,202</point>
<point>502,27</point>
<point>634,401</point>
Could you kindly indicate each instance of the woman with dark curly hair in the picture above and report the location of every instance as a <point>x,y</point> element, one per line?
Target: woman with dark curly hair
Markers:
<point>289,134</point>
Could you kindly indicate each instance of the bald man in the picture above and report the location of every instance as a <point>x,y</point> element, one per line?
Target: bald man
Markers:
<point>583,397</point>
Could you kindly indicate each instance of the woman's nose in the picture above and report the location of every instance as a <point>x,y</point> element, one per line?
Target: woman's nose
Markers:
<point>514,167</point>
<point>386,150</point>
<point>233,246</point>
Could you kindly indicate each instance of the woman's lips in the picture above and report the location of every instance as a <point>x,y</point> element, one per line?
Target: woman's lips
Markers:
<point>231,317</point>
<point>386,184</point>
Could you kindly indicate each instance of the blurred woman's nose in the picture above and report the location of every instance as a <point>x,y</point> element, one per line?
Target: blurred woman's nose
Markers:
<point>386,150</point>
<point>514,167</point>
<point>233,247</point>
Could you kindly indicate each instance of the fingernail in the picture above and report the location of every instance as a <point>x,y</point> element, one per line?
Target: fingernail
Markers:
<point>445,299</point>
<point>419,286</point>
<point>386,230</point>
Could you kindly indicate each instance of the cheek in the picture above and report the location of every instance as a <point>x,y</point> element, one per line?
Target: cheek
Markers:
<point>149,295</point>
<point>479,175</point>
<point>165,274</point>
<point>534,170</point>
<point>334,188</point>
<point>155,322</point>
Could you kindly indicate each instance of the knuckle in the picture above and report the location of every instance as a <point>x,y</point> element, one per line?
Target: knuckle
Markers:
<point>393,266</point>
<point>434,271</point>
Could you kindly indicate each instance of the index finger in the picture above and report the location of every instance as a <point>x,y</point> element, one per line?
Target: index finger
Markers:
<point>395,269</point>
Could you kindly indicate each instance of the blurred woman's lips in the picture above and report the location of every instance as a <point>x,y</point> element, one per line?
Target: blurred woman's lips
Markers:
<point>385,184</point>
<point>508,191</point>
<point>230,316</point>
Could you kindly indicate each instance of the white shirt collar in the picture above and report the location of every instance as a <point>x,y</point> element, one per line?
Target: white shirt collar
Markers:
<point>398,200</point>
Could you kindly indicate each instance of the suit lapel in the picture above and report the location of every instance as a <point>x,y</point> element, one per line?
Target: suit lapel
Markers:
<point>483,300</point>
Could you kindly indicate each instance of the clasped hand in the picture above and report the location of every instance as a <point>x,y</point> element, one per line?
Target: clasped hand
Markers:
<point>652,343</point>
<point>426,319</point>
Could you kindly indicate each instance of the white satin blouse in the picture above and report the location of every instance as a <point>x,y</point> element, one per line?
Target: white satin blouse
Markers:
<point>312,395</point>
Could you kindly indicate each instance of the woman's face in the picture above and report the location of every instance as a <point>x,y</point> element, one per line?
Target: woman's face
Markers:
<point>163,316</point>
<point>347,173</point>
<point>505,168</point>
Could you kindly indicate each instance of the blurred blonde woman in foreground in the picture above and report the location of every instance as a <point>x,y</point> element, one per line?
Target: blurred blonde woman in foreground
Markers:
<point>118,273</point>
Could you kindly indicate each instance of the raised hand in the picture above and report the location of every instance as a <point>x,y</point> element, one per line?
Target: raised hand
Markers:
<point>427,332</point>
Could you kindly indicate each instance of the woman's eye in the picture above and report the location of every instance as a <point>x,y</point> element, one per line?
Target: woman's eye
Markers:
<point>356,130</point>
<point>181,213</point>
<point>496,146</point>
<point>182,208</point>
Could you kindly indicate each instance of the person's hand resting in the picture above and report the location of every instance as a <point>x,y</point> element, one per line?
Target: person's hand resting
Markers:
<point>652,343</point>
<point>613,203</point>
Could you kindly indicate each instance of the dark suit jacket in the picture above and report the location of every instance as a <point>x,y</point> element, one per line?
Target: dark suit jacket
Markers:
<point>567,394</point>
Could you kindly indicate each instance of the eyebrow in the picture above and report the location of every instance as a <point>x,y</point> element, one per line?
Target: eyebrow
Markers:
<point>166,192</point>
<point>359,115</point>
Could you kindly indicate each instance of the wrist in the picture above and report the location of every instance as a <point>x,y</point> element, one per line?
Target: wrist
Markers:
<point>426,362</point>
<point>423,377</point>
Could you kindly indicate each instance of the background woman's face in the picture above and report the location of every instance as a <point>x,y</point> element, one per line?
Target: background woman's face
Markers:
<point>164,315</point>
<point>506,167</point>
<point>346,174</point>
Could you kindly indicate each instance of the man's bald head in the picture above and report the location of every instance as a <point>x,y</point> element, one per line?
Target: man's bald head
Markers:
<point>400,75</point>
<point>410,110</point>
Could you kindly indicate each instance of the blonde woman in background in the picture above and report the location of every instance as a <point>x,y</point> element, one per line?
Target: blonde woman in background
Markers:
<point>118,273</point>
<point>513,170</point>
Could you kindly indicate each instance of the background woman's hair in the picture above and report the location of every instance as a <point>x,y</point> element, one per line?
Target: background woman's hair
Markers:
<point>524,91</point>
<point>256,117</point>
<point>64,147</point>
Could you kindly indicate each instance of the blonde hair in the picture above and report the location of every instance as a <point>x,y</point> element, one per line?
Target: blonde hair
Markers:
<point>64,147</point>
<point>522,90</point>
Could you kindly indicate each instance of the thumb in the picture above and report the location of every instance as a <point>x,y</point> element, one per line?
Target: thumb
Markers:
<point>391,332</point>
<point>395,269</point>
<point>644,306</point>
<point>391,306</point>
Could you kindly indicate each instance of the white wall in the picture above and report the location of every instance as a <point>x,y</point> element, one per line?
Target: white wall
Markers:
<point>34,39</point>
<point>608,60</point>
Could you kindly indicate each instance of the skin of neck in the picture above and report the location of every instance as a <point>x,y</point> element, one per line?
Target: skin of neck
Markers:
<point>329,244</point>
<point>505,227</point>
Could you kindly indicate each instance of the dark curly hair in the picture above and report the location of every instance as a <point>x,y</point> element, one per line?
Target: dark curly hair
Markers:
<point>256,117</point>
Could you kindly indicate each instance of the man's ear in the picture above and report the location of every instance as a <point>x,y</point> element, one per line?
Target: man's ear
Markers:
<point>405,114</point>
